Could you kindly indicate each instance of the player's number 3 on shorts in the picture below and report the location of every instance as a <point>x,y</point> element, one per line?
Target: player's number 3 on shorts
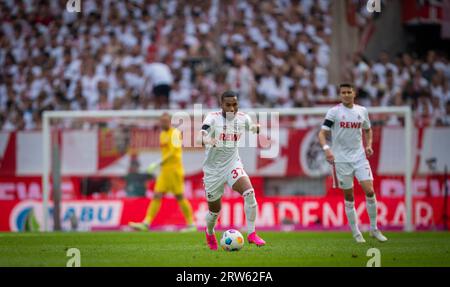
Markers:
<point>235,173</point>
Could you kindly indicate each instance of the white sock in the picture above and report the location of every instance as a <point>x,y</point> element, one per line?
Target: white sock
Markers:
<point>250,208</point>
<point>211,219</point>
<point>371,206</point>
<point>350,211</point>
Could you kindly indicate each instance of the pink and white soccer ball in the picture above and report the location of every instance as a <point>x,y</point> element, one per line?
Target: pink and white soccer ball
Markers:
<point>232,240</point>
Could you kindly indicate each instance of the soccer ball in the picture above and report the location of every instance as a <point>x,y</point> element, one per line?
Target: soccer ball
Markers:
<point>232,240</point>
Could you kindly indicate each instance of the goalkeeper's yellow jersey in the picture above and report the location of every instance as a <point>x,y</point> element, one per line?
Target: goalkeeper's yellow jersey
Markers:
<point>170,144</point>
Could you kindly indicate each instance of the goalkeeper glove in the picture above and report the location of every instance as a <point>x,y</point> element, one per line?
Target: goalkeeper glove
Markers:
<point>152,167</point>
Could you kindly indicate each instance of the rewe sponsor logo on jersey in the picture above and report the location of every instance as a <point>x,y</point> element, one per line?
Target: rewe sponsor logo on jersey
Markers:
<point>28,215</point>
<point>229,137</point>
<point>350,125</point>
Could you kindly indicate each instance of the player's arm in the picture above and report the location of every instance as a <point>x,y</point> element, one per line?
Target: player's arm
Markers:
<point>165,158</point>
<point>154,165</point>
<point>203,138</point>
<point>324,134</point>
<point>368,135</point>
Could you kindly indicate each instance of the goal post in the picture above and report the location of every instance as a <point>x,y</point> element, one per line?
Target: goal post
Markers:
<point>50,116</point>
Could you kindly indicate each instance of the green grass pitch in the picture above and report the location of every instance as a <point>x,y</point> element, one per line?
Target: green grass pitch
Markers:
<point>189,249</point>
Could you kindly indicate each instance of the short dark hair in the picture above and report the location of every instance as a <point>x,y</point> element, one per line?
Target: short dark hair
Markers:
<point>228,94</point>
<point>346,85</point>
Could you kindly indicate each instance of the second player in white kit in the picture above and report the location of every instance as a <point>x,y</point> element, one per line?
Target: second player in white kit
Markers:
<point>349,155</point>
<point>347,122</point>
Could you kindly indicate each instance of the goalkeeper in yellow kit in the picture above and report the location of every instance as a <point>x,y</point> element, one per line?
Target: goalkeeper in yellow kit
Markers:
<point>171,177</point>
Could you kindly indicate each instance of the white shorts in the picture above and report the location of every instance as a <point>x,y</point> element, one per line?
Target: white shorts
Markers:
<point>214,184</point>
<point>344,172</point>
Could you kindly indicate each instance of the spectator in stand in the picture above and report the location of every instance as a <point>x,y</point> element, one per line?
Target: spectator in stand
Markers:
<point>110,48</point>
<point>161,79</point>
<point>240,78</point>
<point>180,95</point>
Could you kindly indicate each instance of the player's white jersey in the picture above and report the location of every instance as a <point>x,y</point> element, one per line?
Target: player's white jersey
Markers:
<point>346,131</point>
<point>227,133</point>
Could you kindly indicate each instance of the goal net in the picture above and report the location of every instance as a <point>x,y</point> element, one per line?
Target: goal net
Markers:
<point>94,174</point>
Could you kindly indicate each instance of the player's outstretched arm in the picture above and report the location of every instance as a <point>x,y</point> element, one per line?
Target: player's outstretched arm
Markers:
<point>154,165</point>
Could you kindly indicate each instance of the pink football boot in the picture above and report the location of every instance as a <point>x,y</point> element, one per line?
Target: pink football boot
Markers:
<point>211,241</point>
<point>254,238</point>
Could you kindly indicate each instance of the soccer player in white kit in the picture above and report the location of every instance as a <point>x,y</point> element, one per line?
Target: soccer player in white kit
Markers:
<point>220,135</point>
<point>346,122</point>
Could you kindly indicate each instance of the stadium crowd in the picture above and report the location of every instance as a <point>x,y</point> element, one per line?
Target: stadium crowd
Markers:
<point>142,54</point>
